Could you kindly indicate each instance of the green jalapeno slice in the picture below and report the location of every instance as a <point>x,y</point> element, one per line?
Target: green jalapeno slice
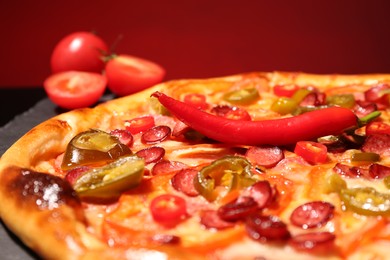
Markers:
<point>242,96</point>
<point>112,179</point>
<point>231,172</point>
<point>366,201</point>
<point>93,147</point>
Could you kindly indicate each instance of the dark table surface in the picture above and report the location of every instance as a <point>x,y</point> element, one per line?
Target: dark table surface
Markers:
<point>20,110</point>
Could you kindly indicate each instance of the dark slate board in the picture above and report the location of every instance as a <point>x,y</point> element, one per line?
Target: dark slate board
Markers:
<point>11,247</point>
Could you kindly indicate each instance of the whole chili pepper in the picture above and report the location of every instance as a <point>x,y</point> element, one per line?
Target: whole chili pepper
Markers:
<point>283,131</point>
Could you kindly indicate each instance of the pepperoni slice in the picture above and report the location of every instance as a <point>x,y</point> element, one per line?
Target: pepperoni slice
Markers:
<point>184,181</point>
<point>180,128</point>
<point>263,228</point>
<point>350,172</point>
<point>363,108</point>
<point>266,156</point>
<point>72,175</point>
<point>261,192</point>
<point>166,239</point>
<point>124,136</point>
<point>378,171</point>
<point>318,242</point>
<point>238,209</point>
<point>167,167</point>
<point>210,219</point>
<point>151,154</point>
<point>156,134</point>
<point>312,214</point>
<point>377,143</point>
<point>313,99</point>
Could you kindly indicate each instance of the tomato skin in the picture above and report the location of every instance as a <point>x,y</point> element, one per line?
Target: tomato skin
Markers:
<point>75,89</point>
<point>168,209</point>
<point>129,74</point>
<point>312,152</point>
<point>80,51</point>
<point>139,124</point>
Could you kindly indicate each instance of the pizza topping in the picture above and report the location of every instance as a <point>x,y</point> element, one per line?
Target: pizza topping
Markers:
<point>93,147</point>
<point>365,157</point>
<point>151,154</point>
<point>124,136</point>
<point>286,90</point>
<point>366,201</point>
<point>238,209</point>
<point>378,94</point>
<point>322,122</point>
<point>376,127</point>
<point>167,167</point>
<point>313,99</point>
<point>378,171</point>
<point>234,113</point>
<point>156,134</point>
<point>312,214</point>
<point>111,180</point>
<point>261,192</point>
<point>75,173</point>
<point>312,152</point>
<point>363,108</point>
<point>242,96</point>
<point>139,124</point>
<point>316,242</point>
<point>342,100</point>
<point>168,210</point>
<point>184,181</point>
<point>265,155</point>
<point>231,172</point>
<point>211,219</point>
<point>266,227</point>
<point>377,143</point>
<point>197,100</point>
<point>284,106</point>
<point>166,239</point>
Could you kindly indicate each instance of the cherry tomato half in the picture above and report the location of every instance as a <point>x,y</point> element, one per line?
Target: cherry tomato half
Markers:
<point>82,51</point>
<point>287,90</point>
<point>168,210</point>
<point>75,89</point>
<point>312,152</point>
<point>139,124</point>
<point>197,100</point>
<point>377,128</point>
<point>128,74</point>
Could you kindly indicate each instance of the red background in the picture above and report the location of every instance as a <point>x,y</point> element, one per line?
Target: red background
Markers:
<point>197,38</point>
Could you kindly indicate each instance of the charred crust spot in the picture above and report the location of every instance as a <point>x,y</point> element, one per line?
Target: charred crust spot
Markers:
<point>44,191</point>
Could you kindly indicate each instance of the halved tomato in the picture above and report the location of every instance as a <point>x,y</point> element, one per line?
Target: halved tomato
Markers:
<point>128,74</point>
<point>75,89</point>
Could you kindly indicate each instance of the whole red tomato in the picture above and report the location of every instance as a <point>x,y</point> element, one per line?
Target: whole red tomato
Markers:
<point>127,74</point>
<point>81,51</point>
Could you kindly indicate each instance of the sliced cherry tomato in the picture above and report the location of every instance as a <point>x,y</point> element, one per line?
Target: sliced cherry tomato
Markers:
<point>287,90</point>
<point>82,51</point>
<point>312,152</point>
<point>238,114</point>
<point>168,210</point>
<point>197,100</point>
<point>139,124</point>
<point>128,74</point>
<point>377,128</point>
<point>75,89</point>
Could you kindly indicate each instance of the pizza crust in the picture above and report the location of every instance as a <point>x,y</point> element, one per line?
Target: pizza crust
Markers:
<point>62,232</point>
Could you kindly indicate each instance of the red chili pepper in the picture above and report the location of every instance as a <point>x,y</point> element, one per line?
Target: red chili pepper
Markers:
<point>307,126</point>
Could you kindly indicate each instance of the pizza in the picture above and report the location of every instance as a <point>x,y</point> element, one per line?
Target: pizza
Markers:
<point>263,165</point>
